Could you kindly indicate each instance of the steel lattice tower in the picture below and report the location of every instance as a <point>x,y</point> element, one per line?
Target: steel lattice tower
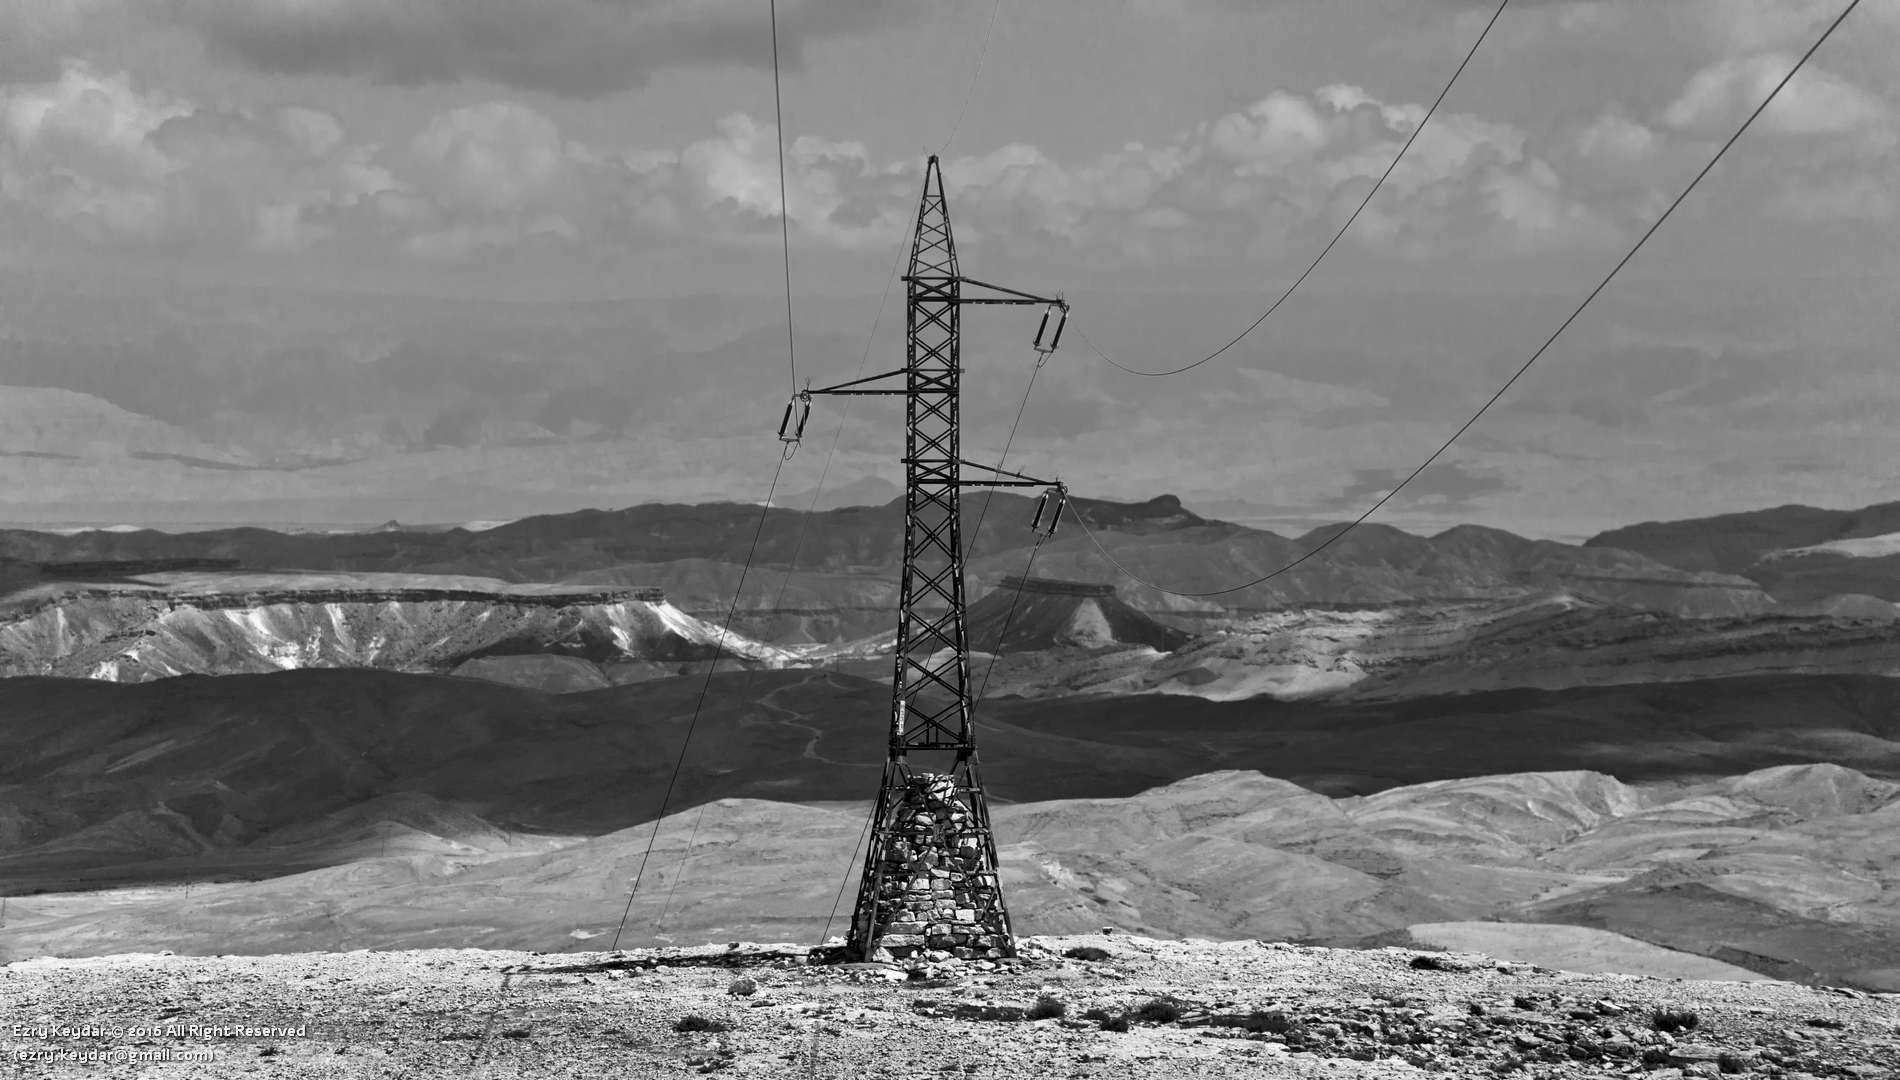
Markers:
<point>930,873</point>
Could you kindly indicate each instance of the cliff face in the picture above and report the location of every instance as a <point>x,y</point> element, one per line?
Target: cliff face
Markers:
<point>139,634</point>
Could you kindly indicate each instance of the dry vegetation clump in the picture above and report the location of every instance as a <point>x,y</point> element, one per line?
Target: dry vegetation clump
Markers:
<point>1048,1008</point>
<point>695,1022</point>
<point>1159,1011</point>
<point>1259,1022</point>
<point>1671,1020</point>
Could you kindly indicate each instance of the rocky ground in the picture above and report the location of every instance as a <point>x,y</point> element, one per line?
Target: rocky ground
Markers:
<point>1103,1005</point>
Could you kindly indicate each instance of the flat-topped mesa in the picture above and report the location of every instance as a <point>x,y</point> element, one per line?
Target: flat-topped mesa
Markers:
<point>258,598</point>
<point>1057,586</point>
<point>131,567</point>
<point>223,599</point>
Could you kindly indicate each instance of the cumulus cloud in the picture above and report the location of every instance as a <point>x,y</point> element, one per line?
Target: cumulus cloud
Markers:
<point>574,48</point>
<point>117,163</point>
<point>113,160</point>
<point>499,173</point>
<point>78,149</point>
<point>1816,102</point>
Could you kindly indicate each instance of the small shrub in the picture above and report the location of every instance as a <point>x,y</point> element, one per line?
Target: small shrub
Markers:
<point>694,1022</point>
<point>1670,1021</point>
<point>269,1051</point>
<point>515,1033</point>
<point>1272,1023</point>
<point>1048,1008</point>
<point>1086,952</point>
<point>1106,1020</point>
<point>1159,1011</point>
<point>743,987</point>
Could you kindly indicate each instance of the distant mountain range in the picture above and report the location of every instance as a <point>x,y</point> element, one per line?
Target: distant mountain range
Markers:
<point>844,559</point>
<point>1379,613</point>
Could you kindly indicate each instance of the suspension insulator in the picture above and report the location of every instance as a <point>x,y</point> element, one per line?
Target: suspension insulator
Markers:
<point>791,428</point>
<point>1049,510</point>
<point>1045,342</point>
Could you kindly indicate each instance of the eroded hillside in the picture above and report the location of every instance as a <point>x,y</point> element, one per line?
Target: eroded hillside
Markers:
<point>166,624</point>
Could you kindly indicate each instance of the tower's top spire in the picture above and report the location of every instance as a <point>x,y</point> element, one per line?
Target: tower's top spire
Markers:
<point>933,252</point>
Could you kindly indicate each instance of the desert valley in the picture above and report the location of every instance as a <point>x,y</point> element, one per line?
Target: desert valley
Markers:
<point>258,742</point>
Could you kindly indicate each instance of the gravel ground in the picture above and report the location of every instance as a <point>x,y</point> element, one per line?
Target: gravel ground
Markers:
<point>1185,1009</point>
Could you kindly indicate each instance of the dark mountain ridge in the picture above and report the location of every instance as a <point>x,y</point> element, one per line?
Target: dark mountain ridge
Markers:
<point>1733,543</point>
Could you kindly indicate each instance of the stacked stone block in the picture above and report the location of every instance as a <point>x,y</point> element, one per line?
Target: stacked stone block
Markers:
<point>939,893</point>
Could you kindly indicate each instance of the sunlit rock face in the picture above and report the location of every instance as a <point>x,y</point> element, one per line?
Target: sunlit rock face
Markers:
<point>153,628</point>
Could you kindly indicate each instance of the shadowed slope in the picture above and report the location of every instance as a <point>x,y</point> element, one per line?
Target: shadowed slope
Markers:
<point>214,764</point>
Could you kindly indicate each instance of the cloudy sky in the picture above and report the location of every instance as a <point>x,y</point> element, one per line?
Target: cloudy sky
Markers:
<point>343,260</point>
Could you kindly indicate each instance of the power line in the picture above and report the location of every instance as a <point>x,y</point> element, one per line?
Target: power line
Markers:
<point>784,218</point>
<point>1330,244</point>
<point>1541,349</point>
<point>982,52</point>
<point>1003,460</point>
<point>785,453</point>
<point>1009,617</point>
<point>844,416</point>
<point>850,864</point>
<point>1041,359</point>
<point>700,704</point>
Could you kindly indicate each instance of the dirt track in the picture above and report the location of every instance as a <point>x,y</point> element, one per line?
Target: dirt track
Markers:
<point>1237,1009</point>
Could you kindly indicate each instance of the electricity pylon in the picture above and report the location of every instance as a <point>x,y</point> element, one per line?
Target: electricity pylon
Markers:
<point>930,875</point>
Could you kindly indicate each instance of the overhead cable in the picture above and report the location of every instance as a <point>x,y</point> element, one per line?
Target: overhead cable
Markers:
<point>1330,244</point>
<point>784,218</point>
<point>698,706</point>
<point>1508,383</point>
<point>785,453</point>
<point>975,77</point>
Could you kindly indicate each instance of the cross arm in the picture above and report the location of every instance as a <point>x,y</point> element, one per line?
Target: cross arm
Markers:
<point>845,387</point>
<point>1016,479</point>
<point>1010,296</point>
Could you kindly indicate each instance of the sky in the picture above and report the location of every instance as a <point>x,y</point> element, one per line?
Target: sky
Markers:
<point>346,260</point>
